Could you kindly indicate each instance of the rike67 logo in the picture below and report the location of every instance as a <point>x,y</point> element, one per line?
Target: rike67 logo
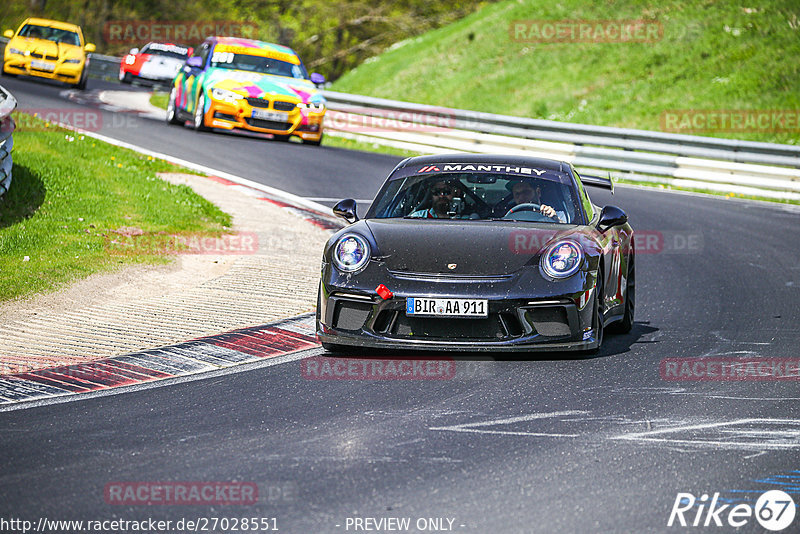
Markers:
<point>774,510</point>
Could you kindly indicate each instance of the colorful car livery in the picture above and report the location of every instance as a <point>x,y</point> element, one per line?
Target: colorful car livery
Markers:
<point>47,49</point>
<point>232,83</point>
<point>155,62</point>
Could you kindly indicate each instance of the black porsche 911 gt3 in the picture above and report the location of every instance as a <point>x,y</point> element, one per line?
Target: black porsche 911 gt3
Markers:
<point>478,253</point>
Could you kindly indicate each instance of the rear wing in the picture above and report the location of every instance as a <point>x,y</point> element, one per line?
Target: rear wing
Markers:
<point>598,181</point>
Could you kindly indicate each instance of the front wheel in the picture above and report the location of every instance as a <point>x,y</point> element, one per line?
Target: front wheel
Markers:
<point>125,77</point>
<point>334,348</point>
<point>81,85</point>
<point>199,114</point>
<point>313,143</point>
<point>624,325</point>
<point>597,316</point>
<point>172,110</point>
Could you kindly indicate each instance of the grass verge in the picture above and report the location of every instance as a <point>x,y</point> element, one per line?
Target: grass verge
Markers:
<point>70,198</point>
<point>708,57</point>
<point>159,99</point>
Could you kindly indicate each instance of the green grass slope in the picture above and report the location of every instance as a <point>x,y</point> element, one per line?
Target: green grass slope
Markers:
<point>711,56</point>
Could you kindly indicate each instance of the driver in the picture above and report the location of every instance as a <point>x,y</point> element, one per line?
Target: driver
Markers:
<point>442,194</point>
<point>525,193</point>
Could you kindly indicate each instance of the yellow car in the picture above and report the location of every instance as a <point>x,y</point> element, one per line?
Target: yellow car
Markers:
<point>47,49</point>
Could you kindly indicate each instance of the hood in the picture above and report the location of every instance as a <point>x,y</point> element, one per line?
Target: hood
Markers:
<point>478,248</point>
<point>47,48</point>
<point>253,84</point>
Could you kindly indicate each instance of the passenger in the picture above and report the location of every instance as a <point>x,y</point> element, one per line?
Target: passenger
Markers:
<point>524,192</point>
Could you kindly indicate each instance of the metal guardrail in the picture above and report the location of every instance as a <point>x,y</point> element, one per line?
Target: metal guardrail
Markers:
<point>580,134</point>
<point>765,169</point>
<point>7,105</point>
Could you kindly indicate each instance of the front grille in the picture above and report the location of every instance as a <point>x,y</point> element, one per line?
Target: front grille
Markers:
<point>224,116</point>
<point>269,125</point>
<point>550,321</point>
<point>258,102</point>
<point>496,327</point>
<point>348,315</point>
<point>42,56</point>
<point>280,105</point>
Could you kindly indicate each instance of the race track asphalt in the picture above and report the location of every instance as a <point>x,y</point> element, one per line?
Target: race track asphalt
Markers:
<point>554,443</point>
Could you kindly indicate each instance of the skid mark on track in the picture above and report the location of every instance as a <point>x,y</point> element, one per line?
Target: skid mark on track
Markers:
<point>480,428</point>
<point>756,434</point>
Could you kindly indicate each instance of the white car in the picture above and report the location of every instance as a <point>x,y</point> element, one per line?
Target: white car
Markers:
<point>155,62</point>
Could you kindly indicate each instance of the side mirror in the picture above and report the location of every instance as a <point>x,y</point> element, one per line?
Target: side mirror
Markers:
<point>8,33</point>
<point>134,51</point>
<point>346,209</point>
<point>317,78</point>
<point>90,47</point>
<point>196,62</point>
<point>611,216</point>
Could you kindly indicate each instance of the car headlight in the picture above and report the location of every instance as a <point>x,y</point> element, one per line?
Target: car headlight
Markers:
<point>351,253</point>
<point>562,259</point>
<point>315,107</point>
<point>225,95</point>
<point>72,60</point>
<point>17,51</point>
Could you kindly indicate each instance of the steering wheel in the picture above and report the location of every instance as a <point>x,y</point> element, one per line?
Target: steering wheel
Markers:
<point>524,208</point>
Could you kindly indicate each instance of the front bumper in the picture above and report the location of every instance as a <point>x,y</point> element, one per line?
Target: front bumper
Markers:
<point>524,314</point>
<point>228,116</point>
<point>63,72</point>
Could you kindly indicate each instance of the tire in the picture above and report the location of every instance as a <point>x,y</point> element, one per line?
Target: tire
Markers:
<point>280,137</point>
<point>172,109</point>
<point>199,121</point>
<point>597,315</point>
<point>81,85</point>
<point>314,143</point>
<point>126,78</point>
<point>624,325</point>
<point>334,349</point>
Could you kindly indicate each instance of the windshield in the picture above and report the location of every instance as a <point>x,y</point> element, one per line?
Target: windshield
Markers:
<point>50,34</point>
<point>479,196</point>
<point>260,64</point>
<point>156,49</point>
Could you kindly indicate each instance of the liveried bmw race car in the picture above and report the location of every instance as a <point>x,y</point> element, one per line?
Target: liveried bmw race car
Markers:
<point>477,252</point>
<point>47,49</point>
<point>232,83</point>
<point>155,62</point>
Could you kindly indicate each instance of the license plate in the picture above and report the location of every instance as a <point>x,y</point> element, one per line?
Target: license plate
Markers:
<point>42,65</point>
<point>431,307</point>
<point>270,115</point>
